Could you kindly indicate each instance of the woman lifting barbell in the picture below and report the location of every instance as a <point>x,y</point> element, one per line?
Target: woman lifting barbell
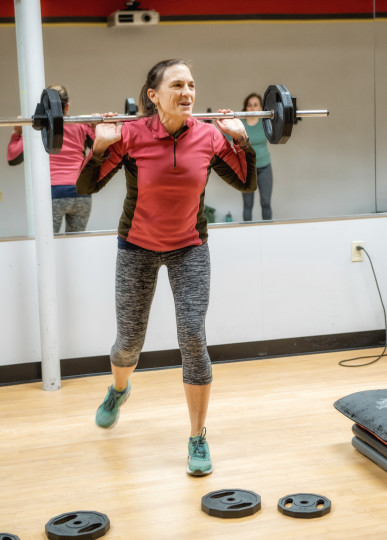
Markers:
<point>167,158</point>
<point>64,169</point>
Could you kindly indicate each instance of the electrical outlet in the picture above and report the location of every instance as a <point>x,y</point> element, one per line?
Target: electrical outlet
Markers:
<point>357,255</point>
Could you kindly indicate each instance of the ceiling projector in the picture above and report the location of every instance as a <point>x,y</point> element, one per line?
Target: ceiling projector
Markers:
<point>138,17</point>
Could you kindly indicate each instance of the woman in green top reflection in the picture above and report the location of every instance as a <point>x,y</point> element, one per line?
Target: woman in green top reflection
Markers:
<point>254,129</point>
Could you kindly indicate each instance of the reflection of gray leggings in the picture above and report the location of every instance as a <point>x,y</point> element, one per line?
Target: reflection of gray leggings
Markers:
<point>189,276</point>
<point>265,186</point>
<point>76,211</point>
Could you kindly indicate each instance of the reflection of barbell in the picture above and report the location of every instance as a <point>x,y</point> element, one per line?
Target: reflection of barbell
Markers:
<point>279,114</point>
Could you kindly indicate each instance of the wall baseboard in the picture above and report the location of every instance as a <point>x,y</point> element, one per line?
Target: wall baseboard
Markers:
<point>233,352</point>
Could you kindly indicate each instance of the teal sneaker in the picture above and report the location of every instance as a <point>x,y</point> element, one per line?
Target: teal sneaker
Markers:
<point>199,461</point>
<point>108,412</point>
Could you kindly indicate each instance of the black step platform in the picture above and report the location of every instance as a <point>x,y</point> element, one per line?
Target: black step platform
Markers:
<point>370,439</point>
<point>370,453</point>
<point>367,409</point>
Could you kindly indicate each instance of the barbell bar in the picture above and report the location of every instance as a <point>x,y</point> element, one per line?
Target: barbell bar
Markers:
<point>99,119</point>
<point>279,114</point>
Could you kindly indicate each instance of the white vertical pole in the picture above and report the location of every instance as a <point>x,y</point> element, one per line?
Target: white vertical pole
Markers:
<point>31,29</point>
<point>24,113</point>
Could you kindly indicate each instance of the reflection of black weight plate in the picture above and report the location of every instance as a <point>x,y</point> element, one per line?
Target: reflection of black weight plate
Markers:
<point>231,503</point>
<point>278,99</point>
<point>304,505</point>
<point>6,536</point>
<point>52,132</point>
<point>81,525</point>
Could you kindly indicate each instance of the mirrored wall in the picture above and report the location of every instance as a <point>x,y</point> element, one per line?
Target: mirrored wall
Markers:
<point>380,29</point>
<point>330,167</point>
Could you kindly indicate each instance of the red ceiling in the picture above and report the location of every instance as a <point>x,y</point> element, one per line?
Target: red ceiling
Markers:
<point>184,8</point>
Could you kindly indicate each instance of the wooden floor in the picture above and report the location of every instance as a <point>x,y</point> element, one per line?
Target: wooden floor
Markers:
<point>272,429</point>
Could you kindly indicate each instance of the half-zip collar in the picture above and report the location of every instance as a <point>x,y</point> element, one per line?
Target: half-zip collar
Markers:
<point>159,131</point>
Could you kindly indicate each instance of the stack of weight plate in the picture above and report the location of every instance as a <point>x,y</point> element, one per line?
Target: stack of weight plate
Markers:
<point>368,410</point>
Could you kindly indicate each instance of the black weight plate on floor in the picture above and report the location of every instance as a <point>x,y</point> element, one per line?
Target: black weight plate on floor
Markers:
<point>277,98</point>
<point>81,525</point>
<point>52,132</point>
<point>304,505</point>
<point>6,536</point>
<point>231,503</point>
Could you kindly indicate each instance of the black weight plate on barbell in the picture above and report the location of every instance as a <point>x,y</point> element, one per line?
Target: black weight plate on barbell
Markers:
<point>277,98</point>
<point>304,505</point>
<point>231,503</point>
<point>52,132</point>
<point>6,536</point>
<point>81,525</point>
<point>209,121</point>
<point>130,106</point>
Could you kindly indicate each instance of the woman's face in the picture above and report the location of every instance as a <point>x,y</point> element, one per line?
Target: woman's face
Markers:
<point>175,96</point>
<point>254,104</point>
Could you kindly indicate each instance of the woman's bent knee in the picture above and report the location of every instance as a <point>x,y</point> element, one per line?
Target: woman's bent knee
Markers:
<point>197,369</point>
<point>198,379</point>
<point>122,358</point>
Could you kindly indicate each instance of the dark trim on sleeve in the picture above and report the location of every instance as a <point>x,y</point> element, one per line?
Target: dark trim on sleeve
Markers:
<point>88,142</point>
<point>89,181</point>
<point>19,159</point>
<point>227,174</point>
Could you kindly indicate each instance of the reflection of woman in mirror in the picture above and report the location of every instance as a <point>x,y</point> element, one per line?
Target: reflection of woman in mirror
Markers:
<point>258,140</point>
<point>167,158</point>
<point>64,169</point>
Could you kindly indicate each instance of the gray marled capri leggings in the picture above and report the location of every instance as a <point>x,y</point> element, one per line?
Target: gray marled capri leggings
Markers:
<point>76,211</point>
<point>189,276</point>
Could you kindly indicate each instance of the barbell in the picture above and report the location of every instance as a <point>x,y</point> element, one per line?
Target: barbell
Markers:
<point>279,115</point>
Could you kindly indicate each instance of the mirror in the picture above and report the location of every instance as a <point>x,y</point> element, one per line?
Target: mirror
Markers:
<point>326,169</point>
<point>380,105</point>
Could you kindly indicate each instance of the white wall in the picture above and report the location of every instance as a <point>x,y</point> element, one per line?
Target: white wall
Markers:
<point>326,169</point>
<point>269,281</point>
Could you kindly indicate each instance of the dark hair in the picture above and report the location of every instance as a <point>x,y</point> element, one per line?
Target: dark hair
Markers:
<point>63,94</point>
<point>249,97</point>
<point>153,80</point>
